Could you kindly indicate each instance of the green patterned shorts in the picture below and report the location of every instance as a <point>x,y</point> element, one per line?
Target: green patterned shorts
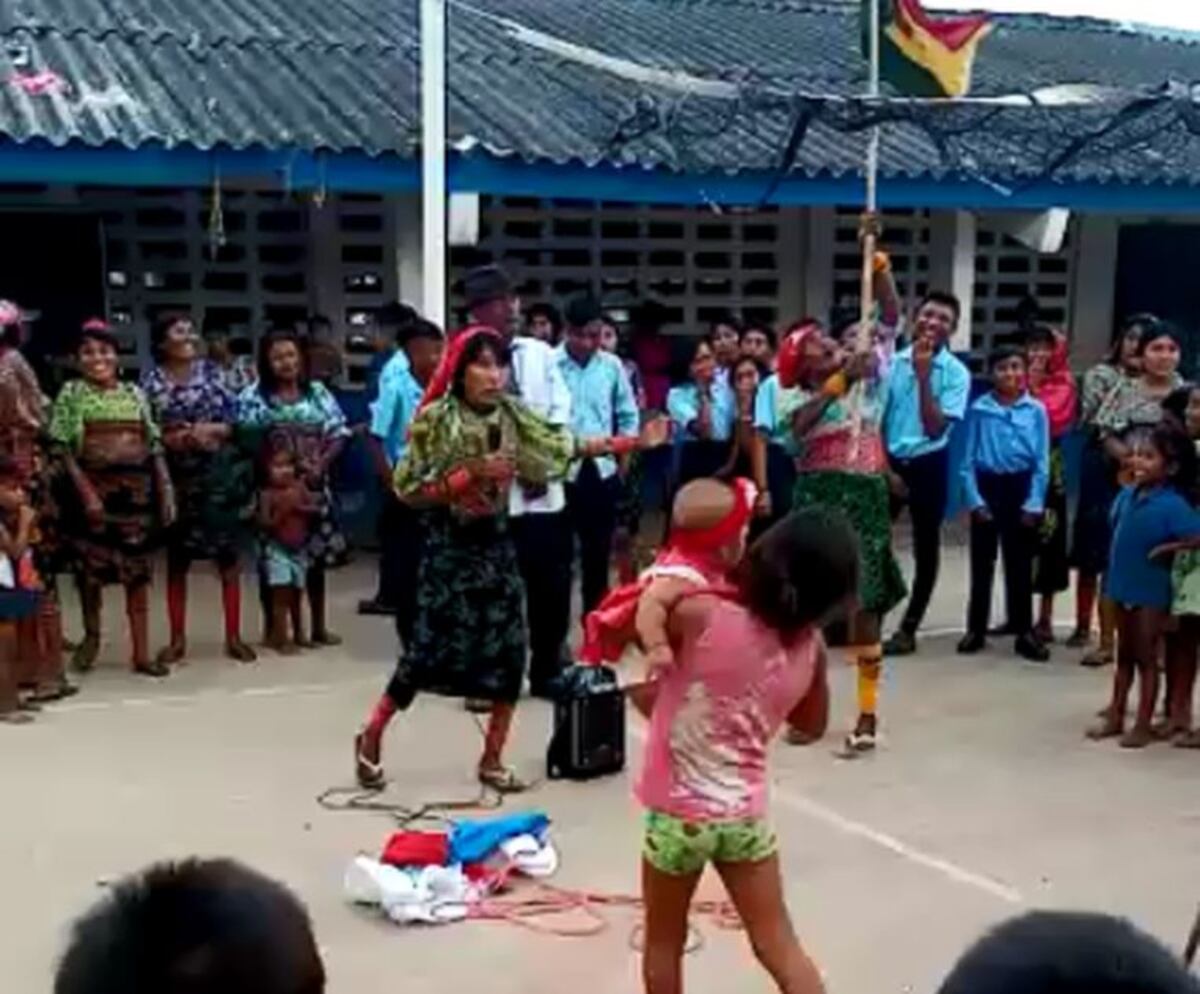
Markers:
<point>680,848</point>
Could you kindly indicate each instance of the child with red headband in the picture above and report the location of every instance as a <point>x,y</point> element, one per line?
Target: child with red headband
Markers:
<point>709,523</point>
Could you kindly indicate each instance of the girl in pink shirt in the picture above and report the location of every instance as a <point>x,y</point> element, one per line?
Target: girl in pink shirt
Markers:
<point>744,661</point>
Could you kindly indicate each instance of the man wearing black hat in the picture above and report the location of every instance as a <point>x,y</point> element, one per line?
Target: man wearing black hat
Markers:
<point>538,516</point>
<point>602,403</point>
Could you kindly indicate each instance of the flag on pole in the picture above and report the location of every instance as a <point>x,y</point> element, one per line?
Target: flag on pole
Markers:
<point>924,56</point>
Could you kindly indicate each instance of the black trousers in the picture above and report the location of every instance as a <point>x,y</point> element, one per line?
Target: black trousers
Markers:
<point>400,536</point>
<point>927,480</point>
<point>544,554</point>
<point>1004,493</point>
<point>592,510</point>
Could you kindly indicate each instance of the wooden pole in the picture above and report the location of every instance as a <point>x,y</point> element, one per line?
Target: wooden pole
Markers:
<point>433,160</point>
<point>867,289</point>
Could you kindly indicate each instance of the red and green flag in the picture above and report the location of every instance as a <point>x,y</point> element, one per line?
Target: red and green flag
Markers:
<point>924,56</point>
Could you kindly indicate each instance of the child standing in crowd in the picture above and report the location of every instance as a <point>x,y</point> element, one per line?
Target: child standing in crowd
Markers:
<point>1005,472</point>
<point>1152,519</point>
<point>744,662</point>
<point>19,591</point>
<point>1053,385</point>
<point>1182,408</point>
<point>286,512</point>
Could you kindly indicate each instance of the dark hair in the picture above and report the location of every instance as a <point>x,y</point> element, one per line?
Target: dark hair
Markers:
<point>1175,405</point>
<point>800,570</point>
<point>727,320</point>
<point>196,926</point>
<point>683,354</point>
<point>762,371</point>
<point>1178,452</point>
<point>1160,329</point>
<point>549,312</point>
<point>162,327</point>
<point>396,318</point>
<point>1002,353</point>
<point>1041,334</point>
<point>266,376</point>
<point>762,329</point>
<point>1068,952</point>
<point>945,299</point>
<point>420,328</point>
<point>841,318</point>
<point>97,331</point>
<point>1141,323</point>
<point>474,350</point>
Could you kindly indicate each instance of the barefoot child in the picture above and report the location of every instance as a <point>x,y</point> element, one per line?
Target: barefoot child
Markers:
<point>1183,639</point>
<point>743,662</point>
<point>1151,517</point>
<point>286,512</point>
<point>19,594</point>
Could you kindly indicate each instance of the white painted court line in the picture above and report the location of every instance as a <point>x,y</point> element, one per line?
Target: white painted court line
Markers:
<point>849,826</point>
<point>200,696</point>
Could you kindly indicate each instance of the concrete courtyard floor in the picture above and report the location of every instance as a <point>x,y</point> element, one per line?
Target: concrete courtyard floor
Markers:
<point>985,800</point>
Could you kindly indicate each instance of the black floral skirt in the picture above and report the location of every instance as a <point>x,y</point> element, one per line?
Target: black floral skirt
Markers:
<point>469,637</point>
<point>214,494</point>
<point>1051,572</point>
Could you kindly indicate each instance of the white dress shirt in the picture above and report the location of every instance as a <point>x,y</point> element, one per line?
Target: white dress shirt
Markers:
<point>540,383</point>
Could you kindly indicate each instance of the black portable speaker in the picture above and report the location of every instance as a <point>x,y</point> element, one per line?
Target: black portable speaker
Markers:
<point>588,739</point>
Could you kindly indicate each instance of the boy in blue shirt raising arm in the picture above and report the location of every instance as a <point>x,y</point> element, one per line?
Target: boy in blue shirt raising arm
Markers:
<point>1004,473</point>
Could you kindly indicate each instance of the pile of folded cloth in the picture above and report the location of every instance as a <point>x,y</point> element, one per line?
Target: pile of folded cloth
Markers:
<point>436,877</point>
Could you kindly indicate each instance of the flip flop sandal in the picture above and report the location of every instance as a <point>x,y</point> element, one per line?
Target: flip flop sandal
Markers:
<point>795,737</point>
<point>15,718</point>
<point>502,780</point>
<point>326,638</point>
<point>856,745</point>
<point>29,706</point>
<point>49,695</point>
<point>171,654</point>
<point>367,772</point>
<point>1189,741</point>
<point>155,669</point>
<point>1097,658</point>
<point>240,652</point>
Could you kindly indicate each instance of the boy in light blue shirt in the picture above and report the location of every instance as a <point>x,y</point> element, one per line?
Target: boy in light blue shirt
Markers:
<point>1005,471</point>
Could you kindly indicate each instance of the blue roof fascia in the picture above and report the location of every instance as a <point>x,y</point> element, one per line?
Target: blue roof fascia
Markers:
<point>512,177</point>
<point>151,166</point>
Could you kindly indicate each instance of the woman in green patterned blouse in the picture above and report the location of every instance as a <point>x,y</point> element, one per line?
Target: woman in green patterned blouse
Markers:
<point>119,489</point>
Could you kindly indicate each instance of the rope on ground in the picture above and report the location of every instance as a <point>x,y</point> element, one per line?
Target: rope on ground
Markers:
<point>357,799</point>
<point>528,909</point>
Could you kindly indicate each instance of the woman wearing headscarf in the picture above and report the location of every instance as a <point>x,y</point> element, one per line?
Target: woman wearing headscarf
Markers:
<point>118,497</point>
<point>287,409</point>
<point>196,409</point>
<point>1051,382</point>
<point>833,400</point>
<point>468,443</point>
<point>1103,386</point>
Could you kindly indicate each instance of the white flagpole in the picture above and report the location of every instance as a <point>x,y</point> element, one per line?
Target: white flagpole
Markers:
<point>433,160</point>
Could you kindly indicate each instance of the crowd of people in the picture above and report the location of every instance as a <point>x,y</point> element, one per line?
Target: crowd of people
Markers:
<point>508,449</point>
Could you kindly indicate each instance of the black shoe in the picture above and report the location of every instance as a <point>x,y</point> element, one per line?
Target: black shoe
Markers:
<point>971,643</point>
<point>376,606</point>
<point>901,643</point>
<point>1029,647</point>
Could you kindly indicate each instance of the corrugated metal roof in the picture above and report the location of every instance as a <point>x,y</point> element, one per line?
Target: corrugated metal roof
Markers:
<point>342,75</point>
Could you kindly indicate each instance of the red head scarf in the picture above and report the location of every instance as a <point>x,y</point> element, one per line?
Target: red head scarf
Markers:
<point>705,541</point>
<point>443,378</point>
<point>792,362</point>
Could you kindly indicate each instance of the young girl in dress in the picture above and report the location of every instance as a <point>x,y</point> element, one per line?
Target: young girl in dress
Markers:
<point>1152,521</point>
<point>746,658</point>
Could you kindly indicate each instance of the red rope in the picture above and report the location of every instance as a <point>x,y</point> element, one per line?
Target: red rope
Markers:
<point>527,910</point>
